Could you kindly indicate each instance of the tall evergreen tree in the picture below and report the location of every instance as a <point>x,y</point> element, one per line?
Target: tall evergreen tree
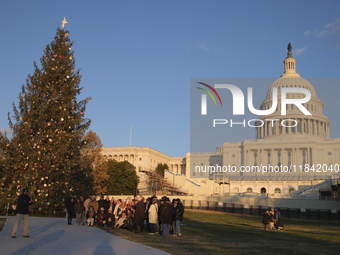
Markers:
<point>48,130</point>
<point>94,165</point>
<point>123,178</point>
<point>160,169</point>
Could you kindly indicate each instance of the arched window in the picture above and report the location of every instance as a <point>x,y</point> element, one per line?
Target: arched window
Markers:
<point>249,190</point>
<point>277,190</point>
<point>263,190</point>
<point>236,190</point>
<point>291,190</point>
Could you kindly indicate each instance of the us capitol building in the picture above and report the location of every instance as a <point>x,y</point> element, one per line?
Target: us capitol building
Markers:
<point>294,150</point>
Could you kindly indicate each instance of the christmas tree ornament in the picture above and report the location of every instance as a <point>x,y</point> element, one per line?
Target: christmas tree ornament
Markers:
<point>63,23</point>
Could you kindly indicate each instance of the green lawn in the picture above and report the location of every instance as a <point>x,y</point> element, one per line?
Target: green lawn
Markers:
<point>209,232</point>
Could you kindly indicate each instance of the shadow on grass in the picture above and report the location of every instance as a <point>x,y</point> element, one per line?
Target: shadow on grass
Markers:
<point>207,233</point>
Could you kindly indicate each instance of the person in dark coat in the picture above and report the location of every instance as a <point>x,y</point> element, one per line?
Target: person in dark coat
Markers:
<point>101,218</point>
<point>79,209</point>
<point>177,217</point>
<point>107,204</point>
<point>166,211</point>
<point>70,209</point>
<point>24,201</point>
<point>265,220</point>
<point>110,219</point>
<point>279,223</point>
<point>139,217</point>
<point>101,202</point>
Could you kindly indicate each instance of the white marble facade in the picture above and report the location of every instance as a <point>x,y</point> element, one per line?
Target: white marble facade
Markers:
<point>294,151</point>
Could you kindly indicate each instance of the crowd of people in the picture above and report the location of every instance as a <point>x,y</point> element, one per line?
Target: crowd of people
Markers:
<point>273,218</point>
<point>161,216</point>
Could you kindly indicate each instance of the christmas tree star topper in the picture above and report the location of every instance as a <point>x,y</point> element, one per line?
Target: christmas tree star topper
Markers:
<point>63,23</point>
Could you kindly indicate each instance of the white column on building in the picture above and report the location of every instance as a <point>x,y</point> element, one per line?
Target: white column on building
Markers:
<point>263,130</point>
<point>282,128</point>
<point>282,157</point>
<point>248,159</point>
<point>264,157</point>
<point>276,128</point>
<point>272,157</point>
<point>270,128</point>
<point>296,158</point>
<point>315,133</point>
<point>307,157</point>
<point>310,126</point>
<point>315,153</point>
<point>245,157</point>
<point>327,131</point>
<point>307,128</point>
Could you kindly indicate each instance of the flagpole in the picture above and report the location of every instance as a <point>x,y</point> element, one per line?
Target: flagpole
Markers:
<point>130,136</point>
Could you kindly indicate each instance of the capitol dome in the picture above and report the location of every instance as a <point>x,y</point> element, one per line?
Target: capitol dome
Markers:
<point>316,124</point>
<point>295,82</point>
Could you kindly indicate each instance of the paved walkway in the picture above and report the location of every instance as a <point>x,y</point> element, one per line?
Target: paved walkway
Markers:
<point>53,236</point>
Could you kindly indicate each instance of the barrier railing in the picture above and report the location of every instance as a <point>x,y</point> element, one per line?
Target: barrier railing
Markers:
<point>292,213</point>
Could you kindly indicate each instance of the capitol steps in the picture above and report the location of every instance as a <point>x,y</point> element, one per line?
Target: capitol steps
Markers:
<point>312,192</point>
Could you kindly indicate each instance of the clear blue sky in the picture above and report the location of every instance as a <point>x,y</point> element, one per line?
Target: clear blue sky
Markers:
<point>137,57</point>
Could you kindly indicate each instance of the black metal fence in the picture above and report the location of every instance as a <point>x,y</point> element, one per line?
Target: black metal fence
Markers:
<point>293,213</point>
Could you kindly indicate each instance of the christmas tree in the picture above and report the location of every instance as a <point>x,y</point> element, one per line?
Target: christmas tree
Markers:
<point>48,130</point>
